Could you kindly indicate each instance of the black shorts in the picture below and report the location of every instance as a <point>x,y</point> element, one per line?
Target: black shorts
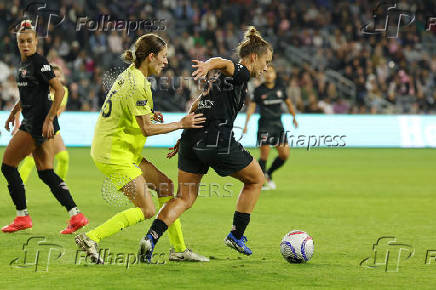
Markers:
<point>272,136</point>
<point>36,129</point>
<point>196,157</point>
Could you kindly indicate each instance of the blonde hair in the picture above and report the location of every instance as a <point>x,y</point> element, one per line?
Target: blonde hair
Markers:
<point>252,43</point>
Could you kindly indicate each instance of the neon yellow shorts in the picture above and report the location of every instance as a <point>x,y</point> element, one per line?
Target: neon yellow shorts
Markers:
<point>120,174</point>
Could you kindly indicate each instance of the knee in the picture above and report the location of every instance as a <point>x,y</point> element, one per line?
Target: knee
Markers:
<point>185,200</point>
<point>149,211</point>
<point>188,203</point>
<point>256,182</point>
<point>264,155</point>
<point>284,156</point>
<point>8,171</point>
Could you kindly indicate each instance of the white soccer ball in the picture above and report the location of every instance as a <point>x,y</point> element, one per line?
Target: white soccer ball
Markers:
<point>297,247</point>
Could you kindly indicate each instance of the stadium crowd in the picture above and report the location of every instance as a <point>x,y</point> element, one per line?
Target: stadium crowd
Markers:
<point>391,75</point>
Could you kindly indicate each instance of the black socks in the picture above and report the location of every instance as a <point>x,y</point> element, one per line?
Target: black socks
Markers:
<point>277,163</point>
<point>15,185</point>
<point>17,191</point>
<point>156,230</point>
<point>240,223</point>
<point>58,188</point>
<point>262,164</point>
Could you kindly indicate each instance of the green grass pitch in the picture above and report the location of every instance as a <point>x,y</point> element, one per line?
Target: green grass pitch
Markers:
<point>345,198</point>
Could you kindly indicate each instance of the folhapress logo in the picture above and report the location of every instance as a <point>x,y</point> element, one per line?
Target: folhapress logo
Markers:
<point>41,16</point>
<point>38,254</point>
<point>388,18</point>
<point>388,253</point>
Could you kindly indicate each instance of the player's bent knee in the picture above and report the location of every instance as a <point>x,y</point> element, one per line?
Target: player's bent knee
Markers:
<point>256,181</point>
<point>284,156</point>
<point>254,186</point>
<point>9,172</point>
<point>188,203</point>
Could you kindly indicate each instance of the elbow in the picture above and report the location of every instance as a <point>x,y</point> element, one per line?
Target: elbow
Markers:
<point>146,132</point>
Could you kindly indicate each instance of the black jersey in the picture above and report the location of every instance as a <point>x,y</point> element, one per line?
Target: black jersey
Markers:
<point>33,79</point>
<point>270,100</point>
<point>220,104</point>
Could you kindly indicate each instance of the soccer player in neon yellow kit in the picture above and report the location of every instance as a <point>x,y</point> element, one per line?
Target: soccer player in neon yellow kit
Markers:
<point>61,154</point>
<point>120,133</point>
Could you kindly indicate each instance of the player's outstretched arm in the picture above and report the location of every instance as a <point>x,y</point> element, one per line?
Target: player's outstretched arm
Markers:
<point>148,128</point>
<point>203,67</point>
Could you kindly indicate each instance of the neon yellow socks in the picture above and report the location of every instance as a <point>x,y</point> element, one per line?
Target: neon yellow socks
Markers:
<point>63,160</point>
<point>26,168</point>
<point>120,221</point>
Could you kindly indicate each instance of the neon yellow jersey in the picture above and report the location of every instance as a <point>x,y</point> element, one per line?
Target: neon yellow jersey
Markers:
<point>117,137</point>
<point>64,100</point>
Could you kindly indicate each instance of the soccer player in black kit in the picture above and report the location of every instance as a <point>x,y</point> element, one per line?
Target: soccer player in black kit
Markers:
<point>270,96</point>
<point>214,145</point>
<point>36,133</point>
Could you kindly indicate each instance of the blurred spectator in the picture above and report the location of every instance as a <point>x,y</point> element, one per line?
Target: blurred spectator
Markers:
<point>390,75</point>
<point>341,106</point>
<point>312,106</point>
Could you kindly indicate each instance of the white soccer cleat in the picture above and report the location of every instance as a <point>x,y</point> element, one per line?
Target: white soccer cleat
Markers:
<point>91,248</point>
<point>188,255</point>
<point>269,184</point>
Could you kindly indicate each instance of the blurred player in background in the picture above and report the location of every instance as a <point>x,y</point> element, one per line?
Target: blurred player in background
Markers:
<point>36,134</point>
<point>215,146</point>
<point>126,120</point>
<point>61,154</point>
<point>269,96</point>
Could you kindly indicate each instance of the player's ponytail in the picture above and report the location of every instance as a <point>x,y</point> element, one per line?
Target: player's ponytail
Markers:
<point>146,44</point>
<point>26,25</point>
<point>252,43</point>
<point>128,57</point>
